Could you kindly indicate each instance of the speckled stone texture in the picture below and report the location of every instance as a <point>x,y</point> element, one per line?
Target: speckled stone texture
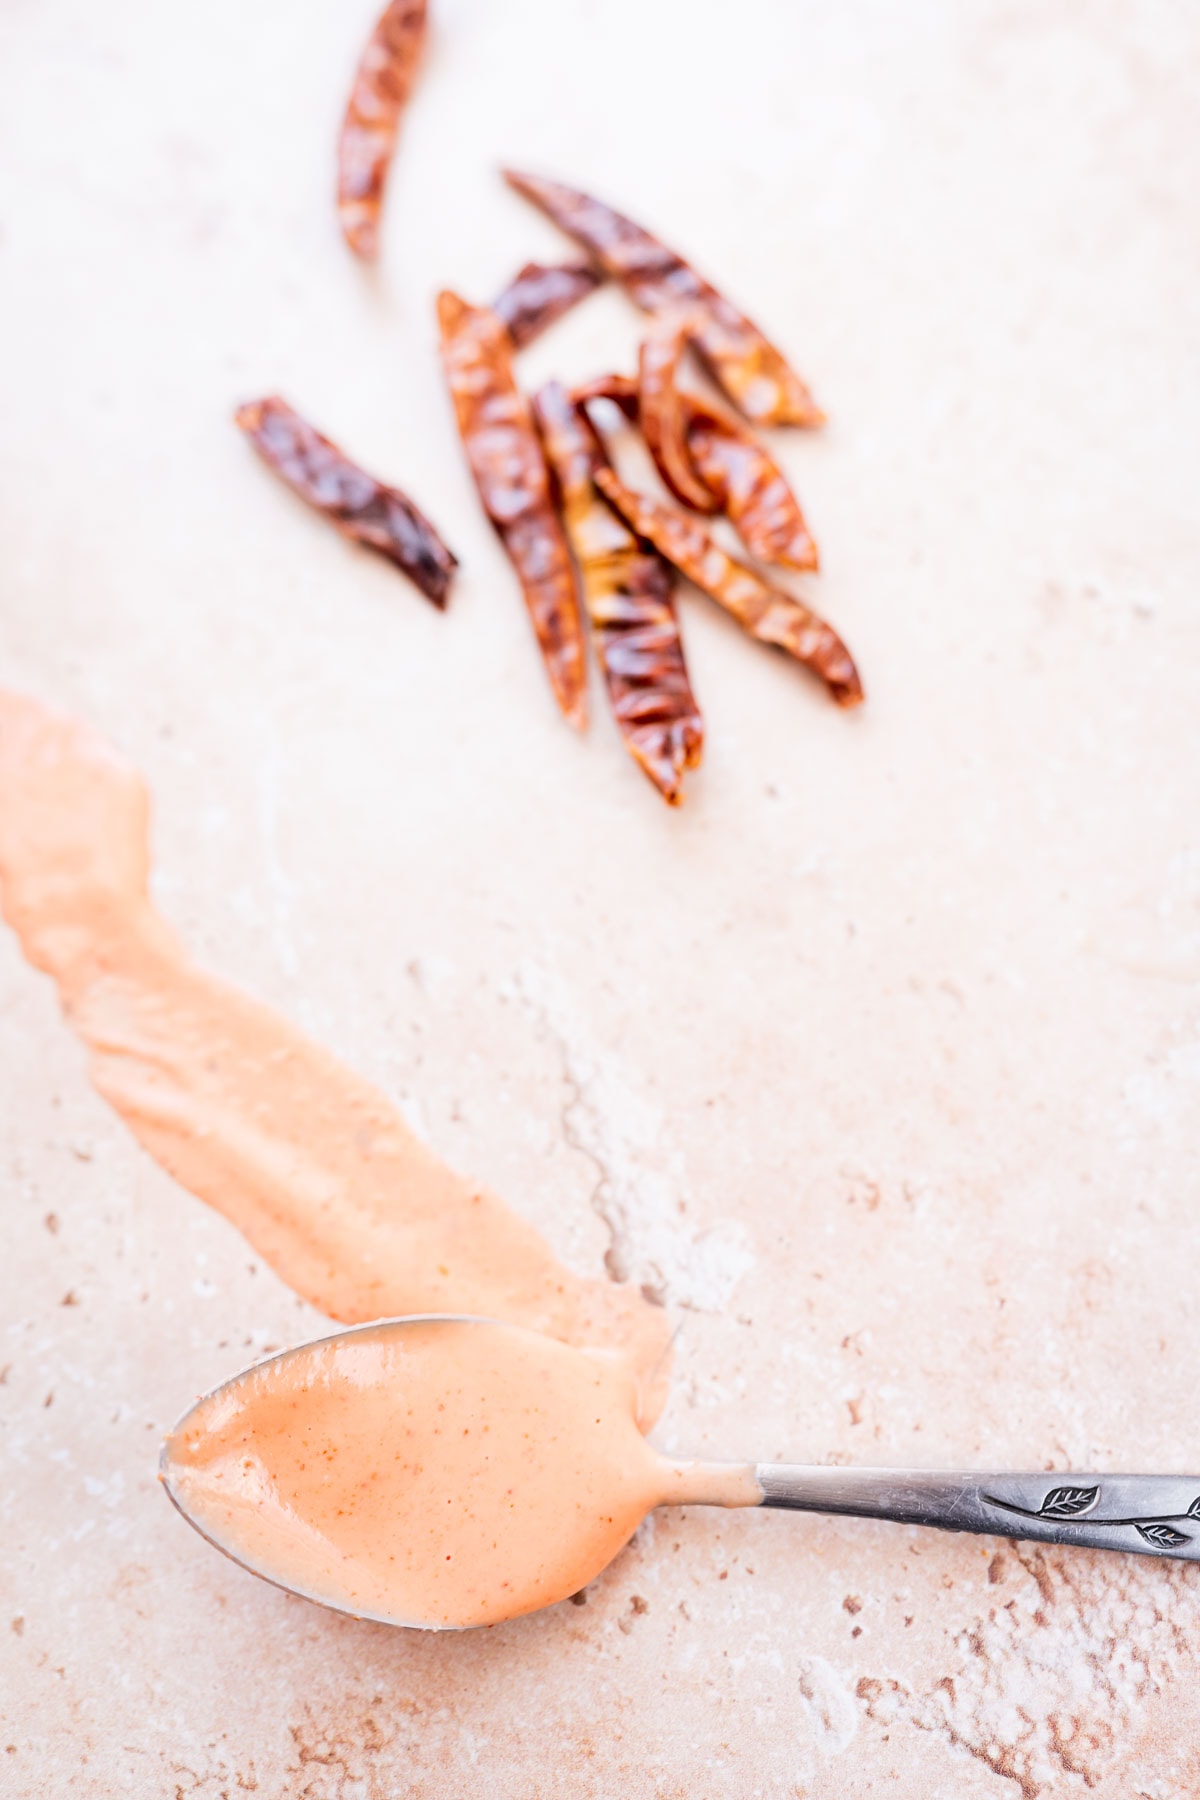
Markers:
<point>881,1062</point>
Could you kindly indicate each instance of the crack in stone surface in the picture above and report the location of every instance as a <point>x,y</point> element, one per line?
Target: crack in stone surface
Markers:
<point>640,1186</point>
<point>617,1256</point>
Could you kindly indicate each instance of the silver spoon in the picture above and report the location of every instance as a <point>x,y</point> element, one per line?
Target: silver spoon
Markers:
<point>1150,1515</point>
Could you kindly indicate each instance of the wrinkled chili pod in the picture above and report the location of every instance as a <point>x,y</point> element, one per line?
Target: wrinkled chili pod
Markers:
<point>506,458</point>
<point>382,518</point>
<point>662,411</point>
<point>382,84</point>
<point>765,612</point>
<point>745,480</point>
<point>627,588</point>
<point>622,390</point>
<point>540,293</point>
<point>749,487</point>
<point>750,369</point>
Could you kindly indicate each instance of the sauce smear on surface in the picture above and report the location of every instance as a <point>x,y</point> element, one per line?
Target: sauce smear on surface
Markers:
<point>313,1164</point>
<point>443,1472</point>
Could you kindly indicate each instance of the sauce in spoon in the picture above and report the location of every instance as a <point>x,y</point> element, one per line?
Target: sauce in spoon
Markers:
<point>435,1472</point>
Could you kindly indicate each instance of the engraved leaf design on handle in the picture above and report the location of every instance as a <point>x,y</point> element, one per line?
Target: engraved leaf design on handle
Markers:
<point>1164,1536</point>
<point>1193,1511</point>
<point>1070,1502</point>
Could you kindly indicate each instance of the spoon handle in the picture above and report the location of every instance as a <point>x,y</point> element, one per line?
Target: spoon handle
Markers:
<point>1154,1515</point>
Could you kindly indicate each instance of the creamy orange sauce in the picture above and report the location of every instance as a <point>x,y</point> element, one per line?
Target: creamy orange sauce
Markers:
<point>312,1163</point>
<point>434,1473</point>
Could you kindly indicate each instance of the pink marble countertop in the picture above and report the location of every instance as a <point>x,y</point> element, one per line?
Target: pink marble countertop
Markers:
<point>881,1061</point>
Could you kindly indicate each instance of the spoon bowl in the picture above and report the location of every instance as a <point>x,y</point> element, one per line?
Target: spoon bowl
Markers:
<point>436,1471</point>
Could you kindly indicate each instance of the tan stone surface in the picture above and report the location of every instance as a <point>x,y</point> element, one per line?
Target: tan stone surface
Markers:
<point>882,1060</point>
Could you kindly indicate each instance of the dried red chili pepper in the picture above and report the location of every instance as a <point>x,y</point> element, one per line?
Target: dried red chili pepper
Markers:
<point>506,458</point>
<point>764,611</point>
<point>743,477</point>
<point>540,293</point>
<point>382,518</point>
<point>663,415</point>
<point>622,390</point>
<point>627,588</point>
<point>749,487</point>
<point>750,369</point>
<point>382,84</point>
